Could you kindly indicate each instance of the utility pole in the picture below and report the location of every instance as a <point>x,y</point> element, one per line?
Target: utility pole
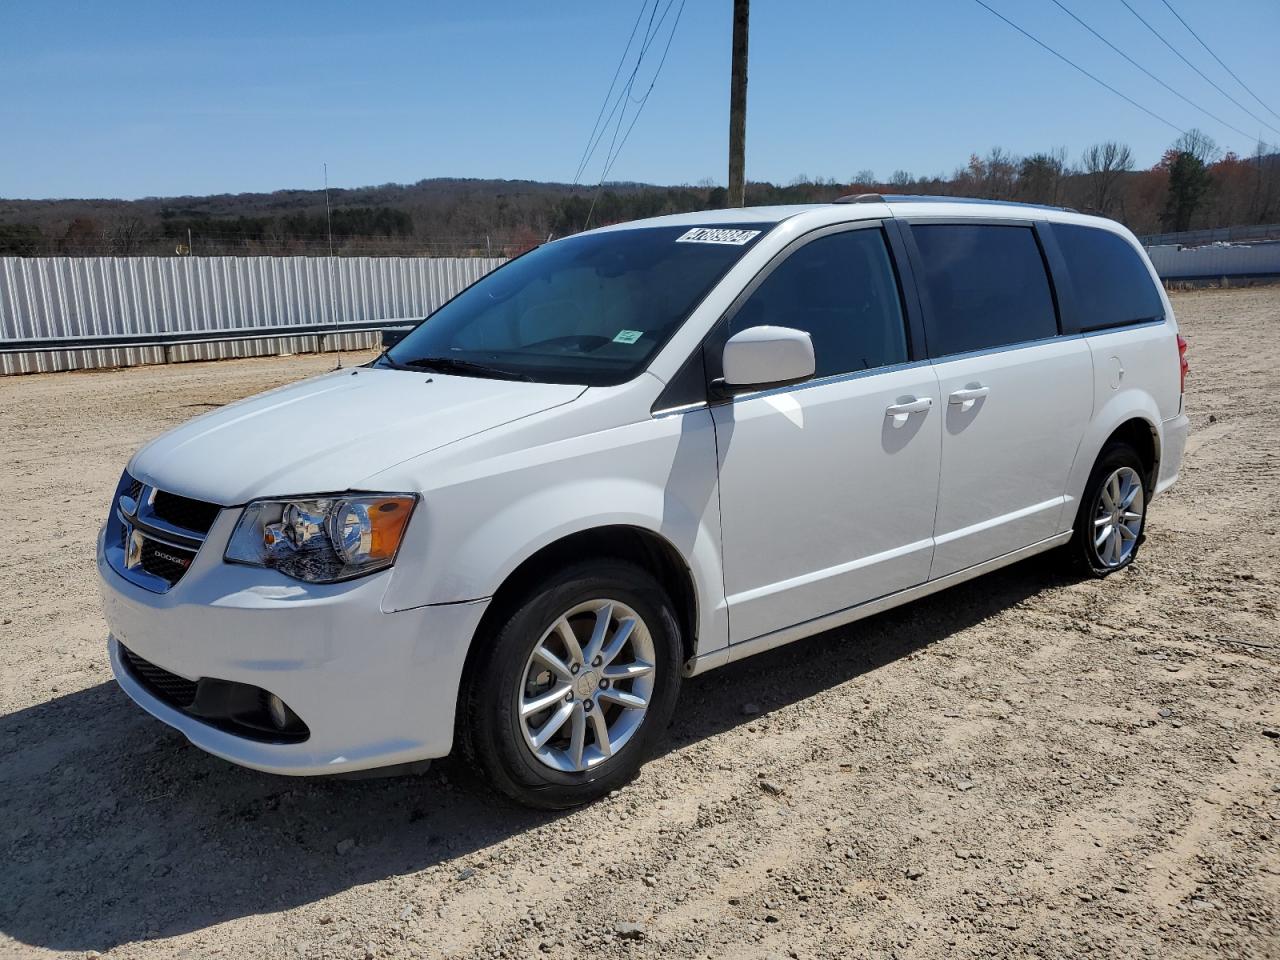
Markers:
<point>328,217</point>
<point>738,106</point>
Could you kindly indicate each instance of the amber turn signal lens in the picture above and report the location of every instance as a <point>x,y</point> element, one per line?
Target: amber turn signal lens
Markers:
<point>388,516</point>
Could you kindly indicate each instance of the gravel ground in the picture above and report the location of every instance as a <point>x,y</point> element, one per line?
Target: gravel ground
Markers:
<point>1027,765</point>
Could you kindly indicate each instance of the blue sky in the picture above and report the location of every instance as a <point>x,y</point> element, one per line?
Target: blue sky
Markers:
<point>155,99</point>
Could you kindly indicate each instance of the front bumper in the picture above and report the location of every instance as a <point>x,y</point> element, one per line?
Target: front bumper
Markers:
<point>375,689</point>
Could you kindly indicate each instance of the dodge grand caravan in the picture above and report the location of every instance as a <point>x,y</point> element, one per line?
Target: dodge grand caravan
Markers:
<point>631,456</point>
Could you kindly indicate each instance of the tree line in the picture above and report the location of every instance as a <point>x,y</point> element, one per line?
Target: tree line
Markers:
<point>1193,186</point>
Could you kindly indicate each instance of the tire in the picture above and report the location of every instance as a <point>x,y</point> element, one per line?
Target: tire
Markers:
<point>527,660</point>
<point>1098,548</point>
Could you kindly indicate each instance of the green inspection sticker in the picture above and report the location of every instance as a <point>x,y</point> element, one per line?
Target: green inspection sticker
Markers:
<point>628,336</point>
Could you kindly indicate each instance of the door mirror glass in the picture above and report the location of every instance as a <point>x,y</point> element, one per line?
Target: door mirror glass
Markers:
<point>761,357</point>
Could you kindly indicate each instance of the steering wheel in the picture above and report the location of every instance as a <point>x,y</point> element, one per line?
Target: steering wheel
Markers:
<point>582,342</point>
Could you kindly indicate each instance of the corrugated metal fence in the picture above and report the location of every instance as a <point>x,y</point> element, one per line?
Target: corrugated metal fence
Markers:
<point>91,296</point>
<point>1212,262</point>
<point>95,296</point>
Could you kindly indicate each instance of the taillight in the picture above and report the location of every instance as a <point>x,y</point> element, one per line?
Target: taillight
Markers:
<point>1183,366</point>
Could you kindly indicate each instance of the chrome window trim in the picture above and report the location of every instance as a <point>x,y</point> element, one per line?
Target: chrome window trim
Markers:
<point>679,409</point>
<point>1007,347</point>
<point>830,380</point>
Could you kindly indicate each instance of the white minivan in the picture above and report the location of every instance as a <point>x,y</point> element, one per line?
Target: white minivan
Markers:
<point>631,456</point>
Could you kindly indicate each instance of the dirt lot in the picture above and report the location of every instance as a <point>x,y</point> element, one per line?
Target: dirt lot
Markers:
<point>1025,765</point>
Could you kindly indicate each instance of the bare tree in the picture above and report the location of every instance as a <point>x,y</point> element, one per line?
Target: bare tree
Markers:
<point>124,236</point>
<point>1199,144</point>
<point>1104,164</point>
<point>996,174</point>
<point>1042,176</point>
<point>1266,183</point>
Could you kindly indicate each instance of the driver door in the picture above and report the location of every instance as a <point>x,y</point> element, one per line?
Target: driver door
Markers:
<point>828,488</point>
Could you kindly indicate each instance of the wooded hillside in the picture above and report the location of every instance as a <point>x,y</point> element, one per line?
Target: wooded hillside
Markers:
<point>1193,186</point>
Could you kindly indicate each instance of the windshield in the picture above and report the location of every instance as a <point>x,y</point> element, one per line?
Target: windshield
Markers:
<point>590,309</point>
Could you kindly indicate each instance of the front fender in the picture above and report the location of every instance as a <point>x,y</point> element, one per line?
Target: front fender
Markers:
<point>481,520</point>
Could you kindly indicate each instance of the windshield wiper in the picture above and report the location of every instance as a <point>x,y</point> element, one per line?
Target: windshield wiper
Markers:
<point>465,368</point>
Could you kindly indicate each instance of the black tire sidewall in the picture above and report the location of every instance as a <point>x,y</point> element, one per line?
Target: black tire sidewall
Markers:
<point>497,741</point>
<point>1111,459</point>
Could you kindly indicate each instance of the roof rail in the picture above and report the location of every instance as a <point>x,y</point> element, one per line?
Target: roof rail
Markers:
<point>925,198</point>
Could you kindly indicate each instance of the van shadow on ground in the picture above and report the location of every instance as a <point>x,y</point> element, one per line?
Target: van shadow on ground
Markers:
<point>113,829</point>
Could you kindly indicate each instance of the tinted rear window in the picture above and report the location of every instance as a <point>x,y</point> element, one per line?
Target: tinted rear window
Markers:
<point>1110,280</point>
<point>987,287</point>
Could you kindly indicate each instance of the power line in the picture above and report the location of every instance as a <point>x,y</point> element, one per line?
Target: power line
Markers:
<point>621,99</point>
<point>645,99</point>
<point>1219,59</point>
<point>624,95</point>
<point>612,158</point>
<point>1194,67</point>
<point>582,163</point>
<point>1212,116</point>
<point>1072,63</point>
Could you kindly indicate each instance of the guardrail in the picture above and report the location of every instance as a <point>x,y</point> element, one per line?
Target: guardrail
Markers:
<point>1194,238</point>
<point>115,341</point>
<point>1238,261</point>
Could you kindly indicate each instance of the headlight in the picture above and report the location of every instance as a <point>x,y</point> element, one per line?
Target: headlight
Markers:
<point>322,539</point>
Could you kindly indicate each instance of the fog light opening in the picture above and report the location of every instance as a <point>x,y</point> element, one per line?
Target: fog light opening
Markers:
<point>280,714</point>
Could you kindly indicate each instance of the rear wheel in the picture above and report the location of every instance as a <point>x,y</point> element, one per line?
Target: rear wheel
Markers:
<point>575,686</point>
<point>1110,525</point>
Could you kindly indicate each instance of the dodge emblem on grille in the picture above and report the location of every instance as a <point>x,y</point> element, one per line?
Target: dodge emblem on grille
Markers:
<point>183,562</point>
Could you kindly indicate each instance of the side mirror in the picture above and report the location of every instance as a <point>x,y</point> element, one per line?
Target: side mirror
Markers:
<point>762,357</point>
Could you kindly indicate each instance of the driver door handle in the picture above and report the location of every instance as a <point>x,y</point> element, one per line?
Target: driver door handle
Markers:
<point>900,411</point>
<point>915,405</point>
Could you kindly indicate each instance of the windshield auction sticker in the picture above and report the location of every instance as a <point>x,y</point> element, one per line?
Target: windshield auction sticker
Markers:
<point>718,235</point>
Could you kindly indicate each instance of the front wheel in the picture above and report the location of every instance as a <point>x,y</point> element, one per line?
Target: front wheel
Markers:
<point>573,689</point>
<point>1113,514</point>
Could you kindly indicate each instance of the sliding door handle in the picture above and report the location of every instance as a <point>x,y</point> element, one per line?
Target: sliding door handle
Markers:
<point>968,395</point>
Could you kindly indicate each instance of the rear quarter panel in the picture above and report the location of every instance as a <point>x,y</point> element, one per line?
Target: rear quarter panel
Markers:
<point>1135,376</point>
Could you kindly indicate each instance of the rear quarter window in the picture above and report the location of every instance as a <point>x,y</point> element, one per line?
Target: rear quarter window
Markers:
<point>987,287</point>
<point>1110,280</point>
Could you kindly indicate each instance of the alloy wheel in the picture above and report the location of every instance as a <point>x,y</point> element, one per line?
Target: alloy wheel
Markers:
<point>586,686</point>
<point>1117,518</point>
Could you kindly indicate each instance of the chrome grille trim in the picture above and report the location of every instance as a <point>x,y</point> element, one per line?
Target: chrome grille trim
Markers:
<point>130,550</point>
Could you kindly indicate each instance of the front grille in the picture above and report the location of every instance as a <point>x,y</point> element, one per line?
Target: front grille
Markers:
<point>167,562</point>
<point>155,544</point>
<point>194,515</point>
<point>133,488</point>
<point>169,687</point>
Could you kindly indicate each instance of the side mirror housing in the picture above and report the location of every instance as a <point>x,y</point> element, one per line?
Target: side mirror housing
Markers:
<point>761,357</point>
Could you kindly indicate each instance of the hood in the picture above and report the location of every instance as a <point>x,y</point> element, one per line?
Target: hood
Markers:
<point>326,434</point>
